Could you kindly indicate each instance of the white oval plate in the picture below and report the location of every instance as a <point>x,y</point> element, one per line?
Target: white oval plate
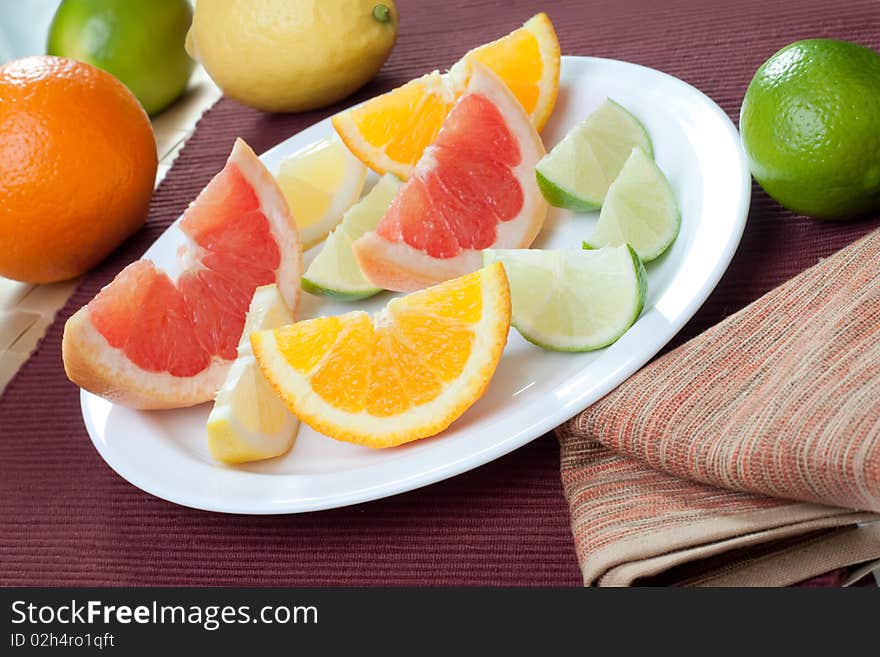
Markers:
<point>696,145</point>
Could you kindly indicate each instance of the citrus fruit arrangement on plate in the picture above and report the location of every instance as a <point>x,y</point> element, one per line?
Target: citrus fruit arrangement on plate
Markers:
<point>353,289</point>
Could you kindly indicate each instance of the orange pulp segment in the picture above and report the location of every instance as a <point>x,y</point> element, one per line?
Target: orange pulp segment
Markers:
<point>528,61</point>
<point>389,133</point>
<point>402,375</point>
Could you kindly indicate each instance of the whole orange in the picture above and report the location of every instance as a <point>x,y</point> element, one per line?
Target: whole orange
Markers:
<point>77,167</point>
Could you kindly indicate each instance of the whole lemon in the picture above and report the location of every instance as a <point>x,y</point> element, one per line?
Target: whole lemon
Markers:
<point>810,125</point>
<point>138,41</point>
<point>77,166</point>
<point>292,55</point>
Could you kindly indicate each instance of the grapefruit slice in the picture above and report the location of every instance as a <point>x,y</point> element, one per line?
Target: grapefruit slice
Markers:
<point>473,189</point>
<point>150,341</point>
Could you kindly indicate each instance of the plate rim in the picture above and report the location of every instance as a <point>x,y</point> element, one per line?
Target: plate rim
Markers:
<point>473,460</point>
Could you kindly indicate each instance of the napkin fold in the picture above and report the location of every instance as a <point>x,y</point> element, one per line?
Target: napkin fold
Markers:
<point>749,455</point>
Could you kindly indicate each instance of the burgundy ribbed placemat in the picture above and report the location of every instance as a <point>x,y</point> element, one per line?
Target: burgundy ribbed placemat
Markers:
<point>66,518</point>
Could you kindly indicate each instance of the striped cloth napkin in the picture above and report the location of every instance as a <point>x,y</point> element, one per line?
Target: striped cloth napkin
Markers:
<point>747,456</point>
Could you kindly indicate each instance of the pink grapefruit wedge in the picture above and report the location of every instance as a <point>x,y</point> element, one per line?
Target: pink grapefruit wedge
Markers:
<point>148,340</point>
<point>474,188</point>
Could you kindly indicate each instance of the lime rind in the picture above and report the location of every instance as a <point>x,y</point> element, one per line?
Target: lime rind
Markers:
<point>573,300</point>
<point>642,277</point>
<point>559,197</point>
<point>354,295</point>
<point>640,210</point>
<point>577,173</point>
<point>335,272</point>
<point>318,290</point>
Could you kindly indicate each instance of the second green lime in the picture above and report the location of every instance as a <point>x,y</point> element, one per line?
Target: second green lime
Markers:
<point>141,42</point>
<point>810,126</point>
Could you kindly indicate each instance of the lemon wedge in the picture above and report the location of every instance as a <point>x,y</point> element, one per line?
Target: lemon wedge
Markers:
<point>248,421</point>
<point>320,182</point>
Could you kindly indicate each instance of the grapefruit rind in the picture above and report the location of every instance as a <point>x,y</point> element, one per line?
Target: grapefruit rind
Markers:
<point>400,267</point>
<point>93,364</point>
<point>281,221</point>
<point>416,422</point>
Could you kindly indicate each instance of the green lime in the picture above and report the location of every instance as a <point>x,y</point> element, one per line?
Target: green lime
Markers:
<point>138,41</point>
<point>573,300</point>
<point>335,272</point>
<point>577,172</point>
<point>639,210</point>
<point>810,125</point>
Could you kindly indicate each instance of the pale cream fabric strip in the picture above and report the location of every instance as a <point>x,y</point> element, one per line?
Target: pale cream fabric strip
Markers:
<point>781,566</point>
<point>822,554</point>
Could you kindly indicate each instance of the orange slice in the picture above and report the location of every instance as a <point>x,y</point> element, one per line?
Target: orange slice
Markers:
<point>388,133</point>
<point>404,374</point>
<point>527,60</point>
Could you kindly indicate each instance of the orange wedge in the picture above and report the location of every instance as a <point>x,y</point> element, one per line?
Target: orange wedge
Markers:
<point>388,133</point>
<point>404,374</point>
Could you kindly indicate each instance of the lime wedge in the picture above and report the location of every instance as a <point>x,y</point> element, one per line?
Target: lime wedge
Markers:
<point>576,174</point>
<point>320,182</point>
<point>335,272</point>
<point>640,210</point>
<point>248,421</point>
<point>571,300</point>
